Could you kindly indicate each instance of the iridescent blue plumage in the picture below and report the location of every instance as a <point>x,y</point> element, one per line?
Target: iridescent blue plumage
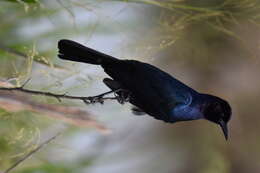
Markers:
<point>152,90</point>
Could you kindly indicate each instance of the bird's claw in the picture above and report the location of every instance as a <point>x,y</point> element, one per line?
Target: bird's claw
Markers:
<point>123,96</point>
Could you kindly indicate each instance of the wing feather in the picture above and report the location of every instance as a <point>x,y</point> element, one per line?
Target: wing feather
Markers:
<point>152,90</point>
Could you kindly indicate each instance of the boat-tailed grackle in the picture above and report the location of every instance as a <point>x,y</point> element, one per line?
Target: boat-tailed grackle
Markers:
<point>151,90</point>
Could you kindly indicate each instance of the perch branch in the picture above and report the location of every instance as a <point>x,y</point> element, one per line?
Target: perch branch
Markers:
<point>87,100</point>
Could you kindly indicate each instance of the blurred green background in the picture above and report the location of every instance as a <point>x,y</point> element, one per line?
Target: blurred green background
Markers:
<point>211,45</point>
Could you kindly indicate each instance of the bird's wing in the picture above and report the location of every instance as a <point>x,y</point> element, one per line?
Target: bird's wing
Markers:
<point>153,91</point>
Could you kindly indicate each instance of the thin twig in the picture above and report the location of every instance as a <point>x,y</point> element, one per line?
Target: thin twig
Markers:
<point>31,153</point>
<point>88,100</point>
<point>25,82</point>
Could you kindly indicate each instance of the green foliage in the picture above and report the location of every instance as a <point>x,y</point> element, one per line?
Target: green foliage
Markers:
<point>47,168</point>
<point>218,15</point>
<point>210,26</point>
<point>18,135</point>
<point>21,52</point>
<point>25,1</point>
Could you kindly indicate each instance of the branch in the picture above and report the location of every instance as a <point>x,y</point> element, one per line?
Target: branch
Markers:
<point>87,100</point>
<point>14,99</point>
<point>31,153</point>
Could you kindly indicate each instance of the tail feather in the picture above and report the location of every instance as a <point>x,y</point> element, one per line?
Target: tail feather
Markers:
<point>73,51</point>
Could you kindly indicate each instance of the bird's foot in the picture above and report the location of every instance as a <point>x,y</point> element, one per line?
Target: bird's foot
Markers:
<point>122,96</point>
<point>98,99</point>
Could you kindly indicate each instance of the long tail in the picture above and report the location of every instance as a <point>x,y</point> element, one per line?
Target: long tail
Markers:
<point>73,51</point>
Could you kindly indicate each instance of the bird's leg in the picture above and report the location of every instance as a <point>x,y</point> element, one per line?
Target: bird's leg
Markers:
<point>121,95</point>
<point>99,98</point>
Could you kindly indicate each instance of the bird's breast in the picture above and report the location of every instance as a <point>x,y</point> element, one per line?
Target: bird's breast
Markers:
<point>185,113</point>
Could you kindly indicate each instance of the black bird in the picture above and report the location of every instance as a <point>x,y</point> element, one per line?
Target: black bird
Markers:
<point>151,90</point>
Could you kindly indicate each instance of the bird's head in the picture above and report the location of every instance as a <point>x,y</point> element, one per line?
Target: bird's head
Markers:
<point>218,111</point>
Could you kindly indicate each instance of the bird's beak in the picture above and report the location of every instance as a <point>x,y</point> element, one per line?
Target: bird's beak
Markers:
<point>224,128</point>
